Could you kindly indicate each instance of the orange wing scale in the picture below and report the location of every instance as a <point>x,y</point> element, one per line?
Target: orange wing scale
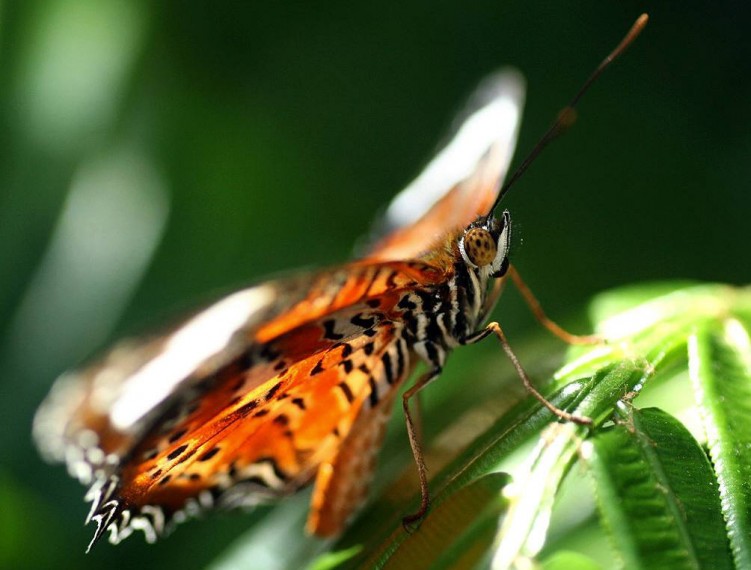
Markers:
<point>343,481</point>
<point>356,282</point>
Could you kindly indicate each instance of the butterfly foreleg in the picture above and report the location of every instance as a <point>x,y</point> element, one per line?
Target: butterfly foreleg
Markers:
<point>495,328</point>
<point>414,441</point>
<point>543,319</point>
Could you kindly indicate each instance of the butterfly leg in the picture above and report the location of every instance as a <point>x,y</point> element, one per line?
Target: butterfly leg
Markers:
<point>414,441</point>
<point>543,319</point>
<point>495,328</point>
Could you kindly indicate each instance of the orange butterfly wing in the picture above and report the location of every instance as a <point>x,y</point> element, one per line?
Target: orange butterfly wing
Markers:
<point>343,480</point>
<point>244,446</point>
<point>248,426</point>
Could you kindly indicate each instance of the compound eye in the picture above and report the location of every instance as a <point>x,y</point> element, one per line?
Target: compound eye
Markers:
<point>480,246</point>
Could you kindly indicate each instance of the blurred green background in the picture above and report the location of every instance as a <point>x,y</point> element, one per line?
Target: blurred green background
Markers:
<point>153,155</point>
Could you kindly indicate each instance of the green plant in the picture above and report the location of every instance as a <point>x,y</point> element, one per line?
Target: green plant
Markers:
<point>667,465</point>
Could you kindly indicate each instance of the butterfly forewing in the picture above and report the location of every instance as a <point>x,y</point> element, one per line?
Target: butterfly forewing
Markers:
<point>463,179</point>
<point>92,418</point>
<point>292,380</point>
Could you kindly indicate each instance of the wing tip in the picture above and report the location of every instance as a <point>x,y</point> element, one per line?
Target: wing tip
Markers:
<point>490,118</point>
<point>505,82</point>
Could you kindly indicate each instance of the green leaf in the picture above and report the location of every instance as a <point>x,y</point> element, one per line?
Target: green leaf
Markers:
<point>458,533</point>
<point>720,365</point>
<point>657,493</point>
<point>612,303</point>
<point>567,560</point>
<point>525,525</point>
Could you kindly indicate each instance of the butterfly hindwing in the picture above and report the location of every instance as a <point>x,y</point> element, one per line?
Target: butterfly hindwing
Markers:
<point>240,444</point>
<point>342,482</point>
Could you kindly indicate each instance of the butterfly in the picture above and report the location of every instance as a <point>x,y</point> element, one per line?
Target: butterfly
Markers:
<point>292,381</point>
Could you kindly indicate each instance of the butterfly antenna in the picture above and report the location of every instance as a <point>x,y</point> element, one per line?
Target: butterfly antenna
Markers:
<point>567,117</point>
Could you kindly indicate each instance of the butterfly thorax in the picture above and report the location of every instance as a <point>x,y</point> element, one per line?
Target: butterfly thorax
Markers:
<point>440,318</point>
<point>443,316</point>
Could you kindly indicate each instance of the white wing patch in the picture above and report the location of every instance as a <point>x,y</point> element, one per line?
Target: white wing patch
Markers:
<point>136,379</point>
<point>204,336</point>
<point>491,127</point>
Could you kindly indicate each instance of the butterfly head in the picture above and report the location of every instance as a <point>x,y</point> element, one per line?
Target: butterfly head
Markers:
<point>484,245</point>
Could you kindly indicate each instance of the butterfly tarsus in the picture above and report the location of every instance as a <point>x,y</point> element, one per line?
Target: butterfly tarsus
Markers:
<point>495,329</point>
<point>414,441</point>
<point>544,320</point>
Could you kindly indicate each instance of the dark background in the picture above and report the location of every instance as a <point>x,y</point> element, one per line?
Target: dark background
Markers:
<point>277,133</point>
